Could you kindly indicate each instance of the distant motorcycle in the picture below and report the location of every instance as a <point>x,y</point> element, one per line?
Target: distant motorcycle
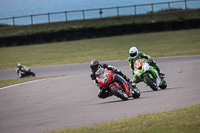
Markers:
<point>25,72</point>
<point>116,85</point>
<point>149,75</point>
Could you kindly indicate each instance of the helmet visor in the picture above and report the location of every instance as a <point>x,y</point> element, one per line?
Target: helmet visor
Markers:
<point>133,54</point>
<point>94,68</point>
<point>100,72</point>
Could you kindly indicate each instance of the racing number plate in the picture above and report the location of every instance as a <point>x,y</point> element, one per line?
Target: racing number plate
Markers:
<point>104,79</point>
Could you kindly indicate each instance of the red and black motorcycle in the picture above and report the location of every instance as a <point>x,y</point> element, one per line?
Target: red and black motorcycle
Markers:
<point>115,84</point>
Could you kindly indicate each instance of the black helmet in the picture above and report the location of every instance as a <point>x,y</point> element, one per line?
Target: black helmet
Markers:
<point>94,65</point>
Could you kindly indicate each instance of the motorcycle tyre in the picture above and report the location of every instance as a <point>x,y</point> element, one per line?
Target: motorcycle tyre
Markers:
<point>164,85</point>
<point>150,83</point>
<point>32,74</point>
<point>136,93</point>
<point>116,92</point>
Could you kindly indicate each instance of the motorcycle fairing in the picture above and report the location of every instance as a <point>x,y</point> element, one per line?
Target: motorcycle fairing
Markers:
<point>119,79</point>
<point>105,78</point>
<point>139,65</point>
<point>147,69</point>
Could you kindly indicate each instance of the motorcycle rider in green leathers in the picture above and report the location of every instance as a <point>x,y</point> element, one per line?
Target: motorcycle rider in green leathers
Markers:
<point>135,55</point>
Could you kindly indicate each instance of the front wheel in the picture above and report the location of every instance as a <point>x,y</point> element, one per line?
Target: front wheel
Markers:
<point>119,93</point>
<point>163,85</point>
<point>135,93</point>
<point>151,83</point>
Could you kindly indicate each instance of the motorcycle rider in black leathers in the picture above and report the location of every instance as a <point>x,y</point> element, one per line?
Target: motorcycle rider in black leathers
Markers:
<point>95,65</point>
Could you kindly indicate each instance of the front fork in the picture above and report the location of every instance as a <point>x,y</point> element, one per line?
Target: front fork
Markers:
<point>155,75</point>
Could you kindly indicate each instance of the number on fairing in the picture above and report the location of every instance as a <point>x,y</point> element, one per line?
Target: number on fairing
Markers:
<point>104,79</point>
<point>138,65</point>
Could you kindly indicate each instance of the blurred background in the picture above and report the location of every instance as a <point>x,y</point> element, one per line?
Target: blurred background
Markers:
<point>26,12</point>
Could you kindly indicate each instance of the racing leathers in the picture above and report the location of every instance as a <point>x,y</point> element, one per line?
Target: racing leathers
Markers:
<point>141,55</point>
<point>103,93</point>
<point>22,69</point>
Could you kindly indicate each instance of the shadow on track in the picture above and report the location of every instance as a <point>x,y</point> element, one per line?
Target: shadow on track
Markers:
<point>171,88</point>
<point>117,101</point>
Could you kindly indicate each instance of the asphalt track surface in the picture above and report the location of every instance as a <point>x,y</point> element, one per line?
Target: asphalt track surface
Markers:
<point>71,101</point>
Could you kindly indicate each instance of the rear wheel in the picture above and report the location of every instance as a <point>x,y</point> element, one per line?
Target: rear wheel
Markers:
<point>32,74</point>
<point>151,83</point>
<point>119,93</point>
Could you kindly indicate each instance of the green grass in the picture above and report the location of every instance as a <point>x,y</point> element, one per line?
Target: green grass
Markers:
<point>8,82</point>
<point>157,44</point>
<point>162,16</point>
<point>186,120</point>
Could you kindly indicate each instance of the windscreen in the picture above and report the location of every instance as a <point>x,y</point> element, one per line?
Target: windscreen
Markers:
<point>100,72</point>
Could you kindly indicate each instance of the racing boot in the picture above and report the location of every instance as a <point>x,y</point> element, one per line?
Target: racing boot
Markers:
<point>162,75</point>
<point>130,81</point>
<point>133,86</point>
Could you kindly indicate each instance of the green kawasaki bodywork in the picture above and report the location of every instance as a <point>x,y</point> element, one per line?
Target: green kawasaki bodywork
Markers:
<point>145,69</point>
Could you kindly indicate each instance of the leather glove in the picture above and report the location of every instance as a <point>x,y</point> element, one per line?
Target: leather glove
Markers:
<point>116,71</point>
<point>92,75</point>
<point>105,65</point>
<point>150,60</point>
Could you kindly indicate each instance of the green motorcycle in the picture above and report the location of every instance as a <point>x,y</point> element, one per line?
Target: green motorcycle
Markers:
<point>149,75</point>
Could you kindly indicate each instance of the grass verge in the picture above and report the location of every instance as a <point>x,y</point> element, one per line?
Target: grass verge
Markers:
<point>185,120</point>
<point>157,44</point>
<point>8,82</point>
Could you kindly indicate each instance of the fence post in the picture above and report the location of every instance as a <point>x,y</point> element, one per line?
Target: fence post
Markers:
<point>100,13</point>
<point>185,4</point>
<point>31,19</point>
<point>117,11</point>
<point>66,15</point>
<point>49,18</point>
<point>13,21</point>
<point>135,9</point>
<point>83,15</point>
<point>169,5</point>
<point>152,8</point>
